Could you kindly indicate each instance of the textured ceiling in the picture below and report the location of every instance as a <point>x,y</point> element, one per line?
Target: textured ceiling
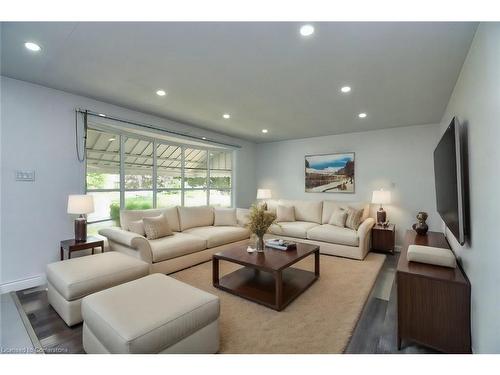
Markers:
<point>264,74</point>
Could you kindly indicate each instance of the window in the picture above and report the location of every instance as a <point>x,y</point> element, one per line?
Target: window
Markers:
<point>133,172</point>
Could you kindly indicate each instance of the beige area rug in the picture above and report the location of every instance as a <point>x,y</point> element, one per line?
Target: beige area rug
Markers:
<point>321,320</point>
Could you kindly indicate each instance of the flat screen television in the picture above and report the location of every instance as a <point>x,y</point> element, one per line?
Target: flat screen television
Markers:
<point>449,180</point>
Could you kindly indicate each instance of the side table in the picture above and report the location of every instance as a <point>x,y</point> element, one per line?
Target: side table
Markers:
<point>72,245</point>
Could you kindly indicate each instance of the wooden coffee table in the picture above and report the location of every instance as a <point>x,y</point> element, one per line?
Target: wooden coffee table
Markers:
<point>267,277</point>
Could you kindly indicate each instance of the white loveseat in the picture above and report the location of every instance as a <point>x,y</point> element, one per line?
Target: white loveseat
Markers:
<point>195,238</point>
<point>311,226</point>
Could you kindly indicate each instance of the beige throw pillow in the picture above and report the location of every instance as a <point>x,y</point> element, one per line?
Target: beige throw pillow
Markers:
<point>353,218</point>
<point>338,218</point>
<point>225,217</point>
<point>285,213</point>
<point>137,227</point>
<point>156,227</point>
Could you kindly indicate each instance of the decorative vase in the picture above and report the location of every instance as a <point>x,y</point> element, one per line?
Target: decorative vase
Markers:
<point>259,244</point>
<point>421,227</point>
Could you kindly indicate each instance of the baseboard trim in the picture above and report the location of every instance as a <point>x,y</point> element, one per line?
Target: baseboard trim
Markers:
<point>16,285</point>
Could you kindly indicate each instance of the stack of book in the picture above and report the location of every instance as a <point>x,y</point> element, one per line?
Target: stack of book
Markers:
<point>280,244</point>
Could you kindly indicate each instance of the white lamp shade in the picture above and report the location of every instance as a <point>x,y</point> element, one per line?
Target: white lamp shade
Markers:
<point>263,194</point>
<point>80,204</point>
<point>381,197</point>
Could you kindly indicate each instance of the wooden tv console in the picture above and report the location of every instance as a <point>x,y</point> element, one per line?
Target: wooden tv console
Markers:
<point>433,301</point>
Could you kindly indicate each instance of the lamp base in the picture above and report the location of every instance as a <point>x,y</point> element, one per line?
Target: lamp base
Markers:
<point>81,229</point>
<point>381,216</point>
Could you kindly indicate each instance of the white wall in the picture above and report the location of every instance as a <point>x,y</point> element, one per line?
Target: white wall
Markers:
<point>476,103</point>
<point>38,133</point>
<point>398,159</point>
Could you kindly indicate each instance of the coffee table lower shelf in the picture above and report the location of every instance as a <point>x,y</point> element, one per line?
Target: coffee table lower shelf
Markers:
<point>264,287</point>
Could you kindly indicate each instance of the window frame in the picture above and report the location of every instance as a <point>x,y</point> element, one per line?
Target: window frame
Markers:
<point>123,135</point>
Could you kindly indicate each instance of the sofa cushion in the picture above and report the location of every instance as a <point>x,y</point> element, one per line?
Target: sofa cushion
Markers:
<point>148,315</point>
<point>285,213</point>
<point>216,236</point>
<point>192,217</point>
<point>293,229</point>
<point>272,205</point>
<point>333,234</point>
<point>126,216</point>
<point>338,218</point>
<point>305,210</point>
<point>137,227</point>
<point>330,206</point>
<point>156,227</point>
<point>225,216</point>
<point>176,245</point>
<point>78,277</point>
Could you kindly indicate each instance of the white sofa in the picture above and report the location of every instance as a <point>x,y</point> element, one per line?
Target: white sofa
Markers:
<point>194,241</point>
<point>311,226</point>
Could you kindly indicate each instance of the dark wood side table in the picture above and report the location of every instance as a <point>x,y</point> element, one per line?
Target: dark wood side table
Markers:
<point>72,245</point>
<point>433,301</point>
<point>384,238</point>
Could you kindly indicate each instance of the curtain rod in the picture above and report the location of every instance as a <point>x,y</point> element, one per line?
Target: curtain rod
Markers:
<point>148,126</point>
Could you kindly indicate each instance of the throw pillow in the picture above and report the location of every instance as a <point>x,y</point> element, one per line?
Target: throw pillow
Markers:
<point>225,217</point>
<point>156,227</point>
<point>137,227</point>
<point>338,218</point>
<point>353,218</point>
<point>285,213</point>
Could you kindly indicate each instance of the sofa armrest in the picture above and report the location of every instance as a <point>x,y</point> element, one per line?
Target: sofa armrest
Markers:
<point>242,216</point>
<point>364,234</point>
<point>129,239</point>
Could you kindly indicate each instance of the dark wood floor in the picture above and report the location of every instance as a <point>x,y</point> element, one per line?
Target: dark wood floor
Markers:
<point>54,335</point>
<point>374,333</point>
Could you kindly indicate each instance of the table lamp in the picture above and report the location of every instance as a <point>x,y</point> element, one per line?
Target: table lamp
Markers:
<point>80,205</point>
<point>381,197</point>
<point>263,194</point>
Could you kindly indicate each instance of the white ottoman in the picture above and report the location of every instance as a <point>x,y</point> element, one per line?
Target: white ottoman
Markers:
<point>155,314</point>
<point>71,280</point>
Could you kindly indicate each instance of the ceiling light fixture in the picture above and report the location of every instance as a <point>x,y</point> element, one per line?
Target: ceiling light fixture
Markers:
<point>161,93</point>
<point>307,30</point>
<point>264,131</point>
<point>226,116</point>
<point>203,138</point>
<point>111,139</point>
<point>32,46</point>
<point>362,115</point>
<point>345,89</point>
<point>102,115</point>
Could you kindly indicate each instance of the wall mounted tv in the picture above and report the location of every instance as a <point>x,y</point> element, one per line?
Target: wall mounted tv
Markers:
<point>449,180</point>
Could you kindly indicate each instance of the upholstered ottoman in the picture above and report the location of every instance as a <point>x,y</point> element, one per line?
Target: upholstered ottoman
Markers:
<point>154,314</point>
<point>71,280</point>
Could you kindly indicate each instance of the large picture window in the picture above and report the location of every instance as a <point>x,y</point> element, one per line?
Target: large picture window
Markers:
<point>135,172</point>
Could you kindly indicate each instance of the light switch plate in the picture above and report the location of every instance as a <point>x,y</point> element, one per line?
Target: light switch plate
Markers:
<point>25,175</point>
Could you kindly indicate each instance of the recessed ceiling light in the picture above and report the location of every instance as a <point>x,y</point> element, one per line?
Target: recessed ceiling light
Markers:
<point>362,115</point>
<point>102,115</point>
<point>307,30</point>
<point>161,93</point>
<point>345,89</point>
<point>203,138</point>
<point>32,46</point>
<point>264,131</point>
<point>226,116</point>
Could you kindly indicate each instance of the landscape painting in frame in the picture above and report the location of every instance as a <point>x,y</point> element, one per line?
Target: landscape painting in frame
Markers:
<point>330,173</point>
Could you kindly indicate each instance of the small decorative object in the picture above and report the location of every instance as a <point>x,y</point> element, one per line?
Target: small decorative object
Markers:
<point>80,205</point>
<point>421,227</point>
<point>330,173</point>
<point>381,197</point>
<point>259,221</point>
<point>251,249</point>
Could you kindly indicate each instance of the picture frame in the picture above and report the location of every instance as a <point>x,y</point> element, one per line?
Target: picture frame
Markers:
<point>330,173</point>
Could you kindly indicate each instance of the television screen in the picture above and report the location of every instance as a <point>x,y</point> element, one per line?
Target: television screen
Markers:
<point>449,181</point>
